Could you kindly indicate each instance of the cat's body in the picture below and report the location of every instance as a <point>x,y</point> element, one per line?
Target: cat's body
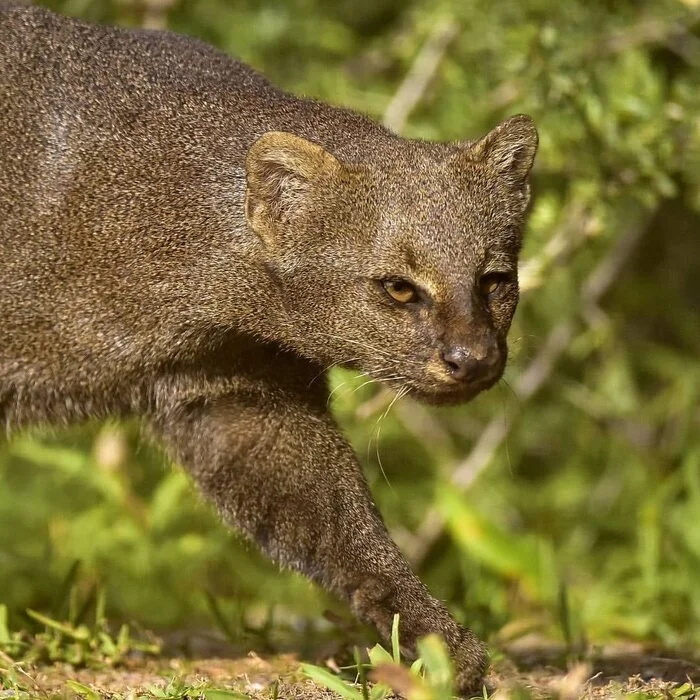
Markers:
<point>182,241</point>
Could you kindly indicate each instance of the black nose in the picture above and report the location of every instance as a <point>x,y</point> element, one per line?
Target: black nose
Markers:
<point>466,366</point>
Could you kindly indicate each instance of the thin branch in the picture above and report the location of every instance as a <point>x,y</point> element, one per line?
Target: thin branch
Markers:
<point>675,36</point>
<point>424,425</point>
<point>575,227</point>
<point>155,14</point>
<point>537,373</point>
<point>425,66</point>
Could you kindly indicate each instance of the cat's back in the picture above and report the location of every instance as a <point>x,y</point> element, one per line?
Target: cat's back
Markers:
<point>103,126</point>
<point>37,44</point>
<point>71,91</point>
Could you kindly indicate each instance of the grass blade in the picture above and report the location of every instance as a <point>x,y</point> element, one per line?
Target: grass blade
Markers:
<point>83,691</point>
<point>4,627</point>
<point>331,681</point>
<point>395,646</point>
<point>80,634</point>
<point>64,591</point>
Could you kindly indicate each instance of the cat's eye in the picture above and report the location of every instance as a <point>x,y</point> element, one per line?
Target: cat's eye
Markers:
<point>400,290</point>
<point>493,283</point>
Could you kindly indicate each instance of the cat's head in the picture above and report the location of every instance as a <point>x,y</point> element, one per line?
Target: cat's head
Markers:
<point>403,265</point>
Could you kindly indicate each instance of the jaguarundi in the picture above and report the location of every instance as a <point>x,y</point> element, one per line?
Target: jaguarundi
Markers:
<point>184,242</point>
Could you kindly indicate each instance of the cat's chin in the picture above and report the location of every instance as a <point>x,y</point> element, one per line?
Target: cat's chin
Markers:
<point>447,395</point>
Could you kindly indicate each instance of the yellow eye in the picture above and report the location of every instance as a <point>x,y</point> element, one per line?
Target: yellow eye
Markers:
<point>492,286</point>
<point>400,290</point>
<point>492,283</point>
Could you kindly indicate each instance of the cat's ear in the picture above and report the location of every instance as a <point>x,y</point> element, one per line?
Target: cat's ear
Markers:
<point>283,173</point>
<point>508,150</point>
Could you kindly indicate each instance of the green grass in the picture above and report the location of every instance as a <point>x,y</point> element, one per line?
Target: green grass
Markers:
<point>430,677</point>
<point>434,676</point>
<point>19,686</point>
<point>70,642</point>
<point>65,646</point>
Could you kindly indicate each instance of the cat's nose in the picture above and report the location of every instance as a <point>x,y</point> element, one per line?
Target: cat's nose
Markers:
<point>464,365</point>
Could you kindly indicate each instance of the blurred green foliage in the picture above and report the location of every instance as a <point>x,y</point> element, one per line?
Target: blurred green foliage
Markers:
<point>584,521</point>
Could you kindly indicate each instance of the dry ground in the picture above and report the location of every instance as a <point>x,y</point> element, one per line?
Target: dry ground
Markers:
<point>526,671</point>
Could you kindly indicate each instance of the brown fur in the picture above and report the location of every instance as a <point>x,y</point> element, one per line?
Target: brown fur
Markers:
<point>182,241</point>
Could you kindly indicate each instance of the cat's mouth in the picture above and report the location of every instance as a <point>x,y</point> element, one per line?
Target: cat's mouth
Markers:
<point>443,394</point>
<point>427,383</point>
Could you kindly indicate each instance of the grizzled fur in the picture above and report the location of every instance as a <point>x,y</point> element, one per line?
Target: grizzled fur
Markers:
<point>182,241</point>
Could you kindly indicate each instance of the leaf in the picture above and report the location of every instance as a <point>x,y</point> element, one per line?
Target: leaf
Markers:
<point>166,502</point>
<point>108,647</point>
<point>65,589</point>
<point>83,690</point>
<point>331,681</point>
<point>401,681</point>
<point>417,666</point>
<point>219,617</point>
<point>64,459</point>
<point>379,691</point>
<point>81,633</point>
<point>518,558</point>
<point>687,690</point>
<point>123,639</point>
<point>438,667</point>
<point>217,694</point>
<point>100,607</point>
<point>361,674</point>
<point>379,655</point>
